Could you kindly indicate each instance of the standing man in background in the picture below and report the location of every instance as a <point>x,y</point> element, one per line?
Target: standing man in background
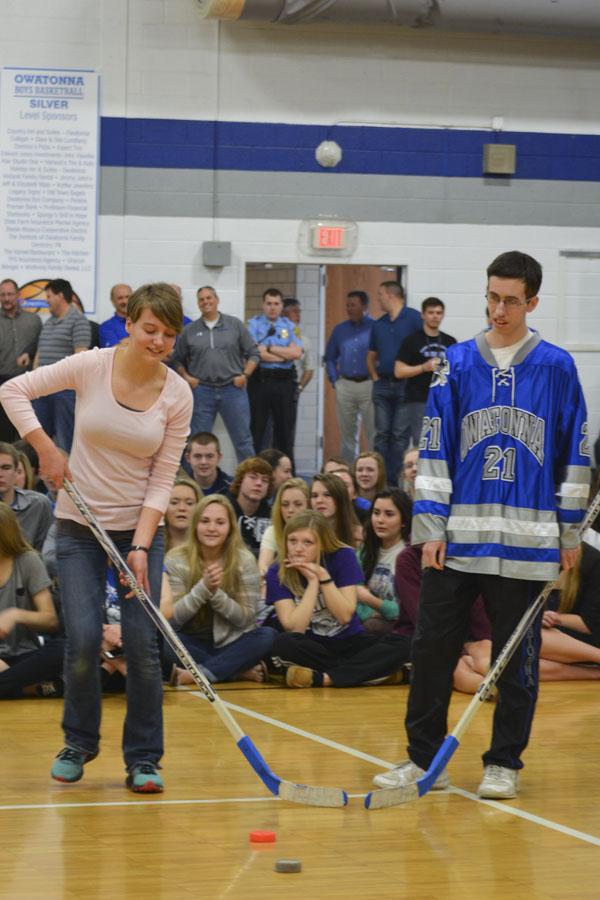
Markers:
<point>113,331</point>
<point>420,355</point>
<point>346,366</point>
<point>216,355</point>
<point>271,390</point>
<point>65,331</point>
<point>19,333</point>
<point>392,428</point>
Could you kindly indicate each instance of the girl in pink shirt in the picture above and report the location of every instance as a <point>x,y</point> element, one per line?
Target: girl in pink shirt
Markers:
<point>132,417</point>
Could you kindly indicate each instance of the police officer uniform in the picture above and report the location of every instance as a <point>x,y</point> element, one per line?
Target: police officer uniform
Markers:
<point>271,388</point>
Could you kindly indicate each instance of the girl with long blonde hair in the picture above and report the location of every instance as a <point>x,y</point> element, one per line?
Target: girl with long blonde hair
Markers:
<point>292,497</point>
<point>215,590</point>
<point>313,589</point>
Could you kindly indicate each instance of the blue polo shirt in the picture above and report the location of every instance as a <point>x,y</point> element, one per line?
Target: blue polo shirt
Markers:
<point>346,351</point>
<point>279,333</point>
<point>387,336</point>
<point>112,331</point>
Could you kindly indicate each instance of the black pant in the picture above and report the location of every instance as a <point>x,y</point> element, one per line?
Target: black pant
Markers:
<point>31,668</point>
<point>273,396</point>
<point>8,432</point>
<point>348,660</point>
<point>445,601</point>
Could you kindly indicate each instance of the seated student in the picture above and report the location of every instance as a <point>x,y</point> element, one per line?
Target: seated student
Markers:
<point>247,494</point>
<point>387,529</point>
<point>25,448</point>
<point>215,594</point>
<point>292,497</point>
<point>33,510</point>
<point>369,471</point>
<point>571,634</point>
<point>329,496</point>
<point>184,496</point>
<point>26,610</point>
<point>475,661</point>
<point>409,471</point>
<point>25,477</point>
<point>313,590</point>
<point>280,464</point>
<point>335,465</point>
<point>203,456</point>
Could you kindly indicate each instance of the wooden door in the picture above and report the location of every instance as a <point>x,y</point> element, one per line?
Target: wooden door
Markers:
<point>340,281</point>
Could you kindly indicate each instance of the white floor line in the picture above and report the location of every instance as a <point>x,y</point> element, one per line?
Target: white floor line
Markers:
<point>529,817</point>
<point>133,803</point>
<point>351,751</point>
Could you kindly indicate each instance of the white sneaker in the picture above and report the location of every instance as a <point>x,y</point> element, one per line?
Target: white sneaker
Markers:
<point>498,783</point>
<point>407,773</point>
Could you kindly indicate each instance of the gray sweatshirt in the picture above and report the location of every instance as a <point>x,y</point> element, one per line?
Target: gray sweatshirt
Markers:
<point>215,355</point>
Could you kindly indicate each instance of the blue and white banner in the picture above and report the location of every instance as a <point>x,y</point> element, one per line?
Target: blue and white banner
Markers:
<point>49,130</point>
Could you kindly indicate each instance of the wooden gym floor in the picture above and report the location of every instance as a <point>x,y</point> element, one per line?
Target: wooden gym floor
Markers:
<point>94,839</point>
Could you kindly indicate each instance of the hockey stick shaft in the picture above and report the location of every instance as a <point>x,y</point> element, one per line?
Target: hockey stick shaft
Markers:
<point>375,799</point>
<point>287,790</point>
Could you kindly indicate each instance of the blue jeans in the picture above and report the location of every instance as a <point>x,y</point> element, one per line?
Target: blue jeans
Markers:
<point>82,568</point>
<point>232,403</point>
<point>415,412</point>
<point>224,663</point>
<point>392,425</point>
<point>56,413</point>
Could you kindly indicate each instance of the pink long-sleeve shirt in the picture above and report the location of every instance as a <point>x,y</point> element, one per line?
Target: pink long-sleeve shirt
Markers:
<point>121,460</point>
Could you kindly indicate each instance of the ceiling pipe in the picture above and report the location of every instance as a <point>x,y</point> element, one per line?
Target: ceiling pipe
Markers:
<point>559,18</point>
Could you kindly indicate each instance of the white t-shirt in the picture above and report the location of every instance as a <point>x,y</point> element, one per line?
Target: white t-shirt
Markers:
<point>505,355</point>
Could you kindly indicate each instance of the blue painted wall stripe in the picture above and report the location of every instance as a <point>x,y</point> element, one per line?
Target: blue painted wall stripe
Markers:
<point>260,147</point>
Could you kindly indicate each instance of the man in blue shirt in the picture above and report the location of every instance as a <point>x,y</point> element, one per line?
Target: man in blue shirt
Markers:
<point>392,426</point>
<point>271,388</point>
<point>112,331</point>
<point>346,365</point>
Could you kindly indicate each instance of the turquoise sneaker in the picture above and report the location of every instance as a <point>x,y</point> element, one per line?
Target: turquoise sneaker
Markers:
<point>68,765</point>
<point>144,779</point>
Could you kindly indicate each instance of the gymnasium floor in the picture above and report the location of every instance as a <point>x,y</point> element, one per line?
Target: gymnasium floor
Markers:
<point>96,840</point>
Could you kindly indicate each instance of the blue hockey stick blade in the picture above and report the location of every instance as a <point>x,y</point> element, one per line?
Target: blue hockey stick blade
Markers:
<point>287,790</point>
<point>387,797</point>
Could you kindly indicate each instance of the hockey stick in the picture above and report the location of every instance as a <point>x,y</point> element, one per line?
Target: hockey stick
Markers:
<point>395,796</point>
<point>287,790</point>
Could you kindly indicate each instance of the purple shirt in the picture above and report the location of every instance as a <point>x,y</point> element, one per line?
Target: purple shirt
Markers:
<point>343,567</point>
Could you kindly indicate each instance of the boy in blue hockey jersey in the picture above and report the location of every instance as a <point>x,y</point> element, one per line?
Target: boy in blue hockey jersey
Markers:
<point>502,486</point>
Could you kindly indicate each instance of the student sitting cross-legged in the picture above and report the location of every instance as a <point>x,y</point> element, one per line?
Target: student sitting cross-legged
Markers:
<point>215,594</point>
<point>313,591</point>
<point>26,609</point>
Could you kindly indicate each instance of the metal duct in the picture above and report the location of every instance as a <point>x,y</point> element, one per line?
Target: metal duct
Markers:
<point>562,18</point>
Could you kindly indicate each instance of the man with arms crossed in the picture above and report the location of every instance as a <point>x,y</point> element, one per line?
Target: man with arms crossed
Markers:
<point>502,486</point>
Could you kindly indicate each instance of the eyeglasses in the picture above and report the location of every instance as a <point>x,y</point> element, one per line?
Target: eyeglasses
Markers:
<point>509,302</point>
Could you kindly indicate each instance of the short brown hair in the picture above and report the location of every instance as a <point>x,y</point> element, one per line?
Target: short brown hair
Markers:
<point>253,464</point>
<point>161,300</point>
<point>8,450</point>
<point>204,438</point>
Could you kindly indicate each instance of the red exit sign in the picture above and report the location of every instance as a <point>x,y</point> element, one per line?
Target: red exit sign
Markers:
<point>329,237</point>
